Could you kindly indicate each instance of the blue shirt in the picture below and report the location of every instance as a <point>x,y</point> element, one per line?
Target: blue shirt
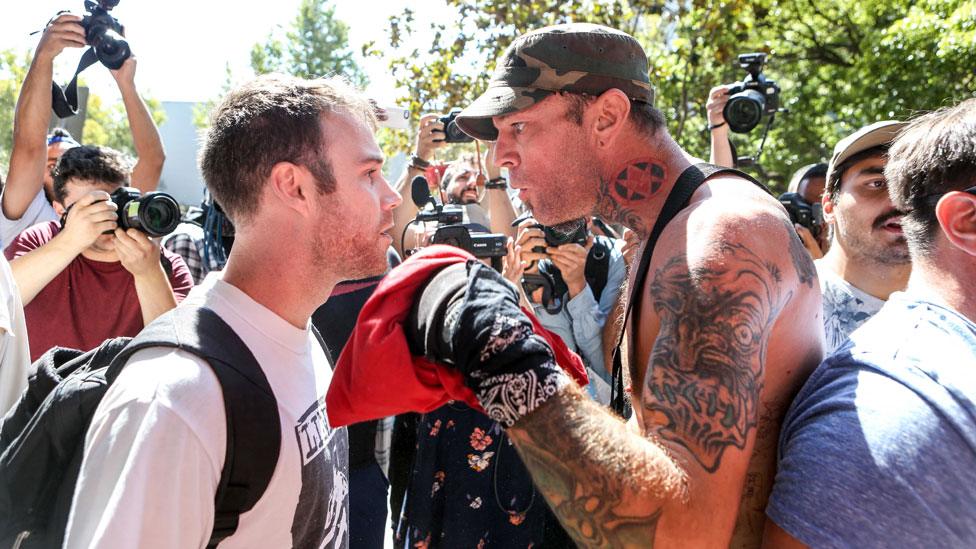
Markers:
<point>879,447</point>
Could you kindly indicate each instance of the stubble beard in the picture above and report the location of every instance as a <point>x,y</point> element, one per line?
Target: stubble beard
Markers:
<point>865,246</point>
<point>349,257</point>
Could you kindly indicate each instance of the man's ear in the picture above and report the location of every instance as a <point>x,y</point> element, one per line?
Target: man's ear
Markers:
<point>59,208</point>
<point>289,186</point>
<point>828,208</point>
<point>610,110</point>
<point>956,212</point>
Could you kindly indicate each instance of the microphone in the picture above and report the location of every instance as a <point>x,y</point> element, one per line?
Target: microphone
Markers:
<point>420,191</point>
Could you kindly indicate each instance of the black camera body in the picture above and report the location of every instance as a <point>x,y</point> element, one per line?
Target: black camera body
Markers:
<point>754,97</point>
<point>804,213</point>
<point>156,213</point>
<point>480,245</point>
<point>555,238</point>
<point>452,133</point>
<point>104,33</point>
<point>450,230</point>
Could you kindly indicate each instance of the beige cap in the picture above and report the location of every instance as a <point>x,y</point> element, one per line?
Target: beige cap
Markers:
<point>879,133</point>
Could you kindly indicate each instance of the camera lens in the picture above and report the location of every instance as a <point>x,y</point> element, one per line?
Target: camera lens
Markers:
<point>110,48</point>
<point>156,214</point>
<point>744,110</point>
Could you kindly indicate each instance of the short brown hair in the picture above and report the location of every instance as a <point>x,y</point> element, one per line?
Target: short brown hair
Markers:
<point>934,154</point>
<point>90,164</point>
<point>274,118</point>
<point>646,117</point>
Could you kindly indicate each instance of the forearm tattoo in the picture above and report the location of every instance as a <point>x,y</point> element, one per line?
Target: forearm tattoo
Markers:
<point>706,371</point>
<point>628,189</point>
<point>606,485</point>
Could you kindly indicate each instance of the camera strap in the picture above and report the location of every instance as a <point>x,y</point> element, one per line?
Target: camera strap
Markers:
<point>64,101</point>
<point>685,186</point>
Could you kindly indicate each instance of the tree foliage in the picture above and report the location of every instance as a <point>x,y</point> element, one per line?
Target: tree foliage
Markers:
<point>841,64</point>
<point>105,125</point>
<point>315,44</point>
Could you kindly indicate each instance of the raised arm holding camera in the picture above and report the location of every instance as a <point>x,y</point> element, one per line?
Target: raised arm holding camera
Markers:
<point>28,195</point>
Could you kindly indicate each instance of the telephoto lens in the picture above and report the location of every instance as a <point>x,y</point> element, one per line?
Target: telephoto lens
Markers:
<point>744,110</point>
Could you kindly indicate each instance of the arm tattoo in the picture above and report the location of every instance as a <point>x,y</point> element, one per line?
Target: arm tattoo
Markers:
<point>606,485</point>
<point>706,373</point>
<point>802,261</point>
<point>631,187</point>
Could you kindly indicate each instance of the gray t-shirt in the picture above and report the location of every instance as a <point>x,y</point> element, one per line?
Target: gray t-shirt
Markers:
<point>879,447</point>
<point>39,211</point>
<point>845,307</point>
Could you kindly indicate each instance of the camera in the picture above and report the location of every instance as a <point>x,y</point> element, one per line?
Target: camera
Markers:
<point>752,98</point>
<point>450,230</point>
<point>104,33</point>
<point>556,237</point>
<point>156,213</point>
<point>452,133</point>
<point>804,213</point>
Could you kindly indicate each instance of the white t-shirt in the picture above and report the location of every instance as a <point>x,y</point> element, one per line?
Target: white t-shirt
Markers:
<point>39,211</point>
<point>845,307</point>
<point>14,351</point>
<point>156,445</point>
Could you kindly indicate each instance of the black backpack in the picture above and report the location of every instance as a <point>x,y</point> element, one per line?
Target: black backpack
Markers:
<point>42,438</point>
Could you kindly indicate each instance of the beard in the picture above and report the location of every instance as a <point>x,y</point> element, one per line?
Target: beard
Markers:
<point>871,244</point>
<point>350,257</point>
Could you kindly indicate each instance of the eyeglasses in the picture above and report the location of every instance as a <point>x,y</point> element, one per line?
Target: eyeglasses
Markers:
<point>933,198</point>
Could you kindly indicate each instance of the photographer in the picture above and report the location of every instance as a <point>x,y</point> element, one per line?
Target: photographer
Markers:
<point>85,279</point>
<point>808,184</point>
<point>591,275</point>
<point>29,192</point>
<point>480,203</point>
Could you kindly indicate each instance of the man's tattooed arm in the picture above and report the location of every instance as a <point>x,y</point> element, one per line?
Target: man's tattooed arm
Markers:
<point>606,485</point>
<point>704,381</point>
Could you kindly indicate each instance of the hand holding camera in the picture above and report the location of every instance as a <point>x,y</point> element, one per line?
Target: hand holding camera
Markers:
<point>87,219</point>
<point>430,137</point>
<point>64,31</point>
<point>717,98</point>
<point>570,259</point>
<point>138,253</point>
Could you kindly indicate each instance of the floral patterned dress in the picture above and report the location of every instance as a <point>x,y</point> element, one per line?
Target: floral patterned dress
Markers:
<point>469,488</point>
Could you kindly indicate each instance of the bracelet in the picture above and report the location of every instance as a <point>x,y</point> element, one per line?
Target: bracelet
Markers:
<point>715,126</point>
<point>419,163</point>
<point>497,183</point>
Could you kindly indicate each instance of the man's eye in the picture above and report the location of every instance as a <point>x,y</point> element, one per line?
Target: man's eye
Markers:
<point>518,127</point>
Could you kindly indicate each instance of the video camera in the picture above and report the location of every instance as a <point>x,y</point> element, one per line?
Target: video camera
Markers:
<point>450,230</point>
<point>804,213</point>
<point>752,98</point>
<point>452,133</point>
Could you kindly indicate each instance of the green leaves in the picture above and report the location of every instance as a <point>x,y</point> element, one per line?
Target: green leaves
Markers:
<point>841,64</point>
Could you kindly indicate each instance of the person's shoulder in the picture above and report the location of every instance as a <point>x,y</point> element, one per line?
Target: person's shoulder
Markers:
<point>35,236</point>
<point>181,383</point>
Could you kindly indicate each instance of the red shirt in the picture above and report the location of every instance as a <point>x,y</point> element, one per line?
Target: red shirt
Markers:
<point>89,301</point>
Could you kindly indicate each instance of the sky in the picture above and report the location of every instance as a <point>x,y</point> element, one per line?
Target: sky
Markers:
<point>182,46</point>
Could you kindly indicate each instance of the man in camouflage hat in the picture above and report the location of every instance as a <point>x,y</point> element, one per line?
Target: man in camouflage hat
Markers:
<point>728,330</point>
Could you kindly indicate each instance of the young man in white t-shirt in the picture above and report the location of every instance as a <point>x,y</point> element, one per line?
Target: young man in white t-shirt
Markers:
<point>27,196</point>
<point>868,258</point>
<point>296,167</point>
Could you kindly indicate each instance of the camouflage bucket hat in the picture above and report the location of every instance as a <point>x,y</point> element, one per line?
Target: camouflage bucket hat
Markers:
<point>575,57</point>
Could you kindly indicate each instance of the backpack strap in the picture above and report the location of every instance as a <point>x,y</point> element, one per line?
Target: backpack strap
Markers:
<point>253,423</point>
<point>687,183</point>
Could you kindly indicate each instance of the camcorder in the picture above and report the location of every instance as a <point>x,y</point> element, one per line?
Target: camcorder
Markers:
<point>452,133</point>
<point>752,98</point>
<point>804,213</point>
<point>450,229</point>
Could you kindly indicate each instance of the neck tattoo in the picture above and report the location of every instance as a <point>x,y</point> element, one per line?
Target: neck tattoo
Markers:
<point>628,190</point>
